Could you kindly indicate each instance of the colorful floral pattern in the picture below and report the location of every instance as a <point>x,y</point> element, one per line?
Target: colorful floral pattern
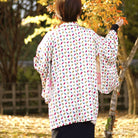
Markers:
<point>66,61</point>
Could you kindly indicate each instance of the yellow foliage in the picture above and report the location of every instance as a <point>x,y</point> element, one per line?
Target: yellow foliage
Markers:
<point>3,0</point>
<point>43,2</point>
<point>37,19</point>
<point>97,15</point>
<point>37,31</point>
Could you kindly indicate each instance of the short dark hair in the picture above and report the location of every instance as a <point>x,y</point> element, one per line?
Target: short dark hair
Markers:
<point>68,10</point>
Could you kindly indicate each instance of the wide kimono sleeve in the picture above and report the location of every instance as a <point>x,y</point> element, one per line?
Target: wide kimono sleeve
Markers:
<point>106,49</point>
<point>42,62</point>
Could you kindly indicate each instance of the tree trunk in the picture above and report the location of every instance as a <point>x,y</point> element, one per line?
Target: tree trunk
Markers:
<point>132,98</point>
<point>129,88</point>
<point>129,79</point>
<point>113,104</point>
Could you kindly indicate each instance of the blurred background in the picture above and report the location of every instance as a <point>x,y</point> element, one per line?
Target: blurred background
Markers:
<point>20,86</point>
<point>23,23</point>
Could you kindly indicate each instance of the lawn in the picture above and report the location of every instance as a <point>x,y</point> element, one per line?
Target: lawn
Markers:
<point>38,126</point>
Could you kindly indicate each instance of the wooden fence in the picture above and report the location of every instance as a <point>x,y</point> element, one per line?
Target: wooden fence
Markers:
<point>25,99</point>
<point>22,100</point>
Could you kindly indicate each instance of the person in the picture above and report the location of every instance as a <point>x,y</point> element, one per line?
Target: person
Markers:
<point>66,59</point>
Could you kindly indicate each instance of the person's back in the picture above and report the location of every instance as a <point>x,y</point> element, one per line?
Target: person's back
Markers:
<point>74,87</point>
<point>66,61</point>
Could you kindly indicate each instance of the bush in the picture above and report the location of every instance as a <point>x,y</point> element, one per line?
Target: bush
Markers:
<point>28,75</point>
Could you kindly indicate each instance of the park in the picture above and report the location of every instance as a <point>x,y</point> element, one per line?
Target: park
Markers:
<point>23,24</point>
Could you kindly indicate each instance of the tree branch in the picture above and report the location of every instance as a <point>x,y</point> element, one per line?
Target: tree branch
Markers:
<point>113,103</point>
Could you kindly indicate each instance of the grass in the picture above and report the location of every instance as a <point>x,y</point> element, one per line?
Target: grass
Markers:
<point>38,127</point>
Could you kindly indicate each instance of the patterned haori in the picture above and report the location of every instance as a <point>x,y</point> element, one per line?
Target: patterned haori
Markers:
<point>66,61</point>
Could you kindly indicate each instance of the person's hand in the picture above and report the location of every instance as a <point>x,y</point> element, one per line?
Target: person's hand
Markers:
<point>120,22</point>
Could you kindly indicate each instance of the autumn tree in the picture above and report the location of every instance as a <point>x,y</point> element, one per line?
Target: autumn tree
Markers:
<point>98,15</point>
<point>127,36</point>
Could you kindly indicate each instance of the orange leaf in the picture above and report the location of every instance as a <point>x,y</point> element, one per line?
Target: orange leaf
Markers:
<point>121,67</point>
<point>119,2</point>
<point>125,20</point>
<point>118,93</point>
<point>119,11</point>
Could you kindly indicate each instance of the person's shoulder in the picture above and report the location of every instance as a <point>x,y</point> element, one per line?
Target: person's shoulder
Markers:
<point>49,34</point>
<point>87,30</point>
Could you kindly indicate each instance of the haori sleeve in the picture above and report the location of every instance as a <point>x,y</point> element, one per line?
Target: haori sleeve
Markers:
<point>106,49</point>
<point>42,62</point>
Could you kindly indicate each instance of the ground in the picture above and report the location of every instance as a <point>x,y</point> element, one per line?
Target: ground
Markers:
<point>38,127</point>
